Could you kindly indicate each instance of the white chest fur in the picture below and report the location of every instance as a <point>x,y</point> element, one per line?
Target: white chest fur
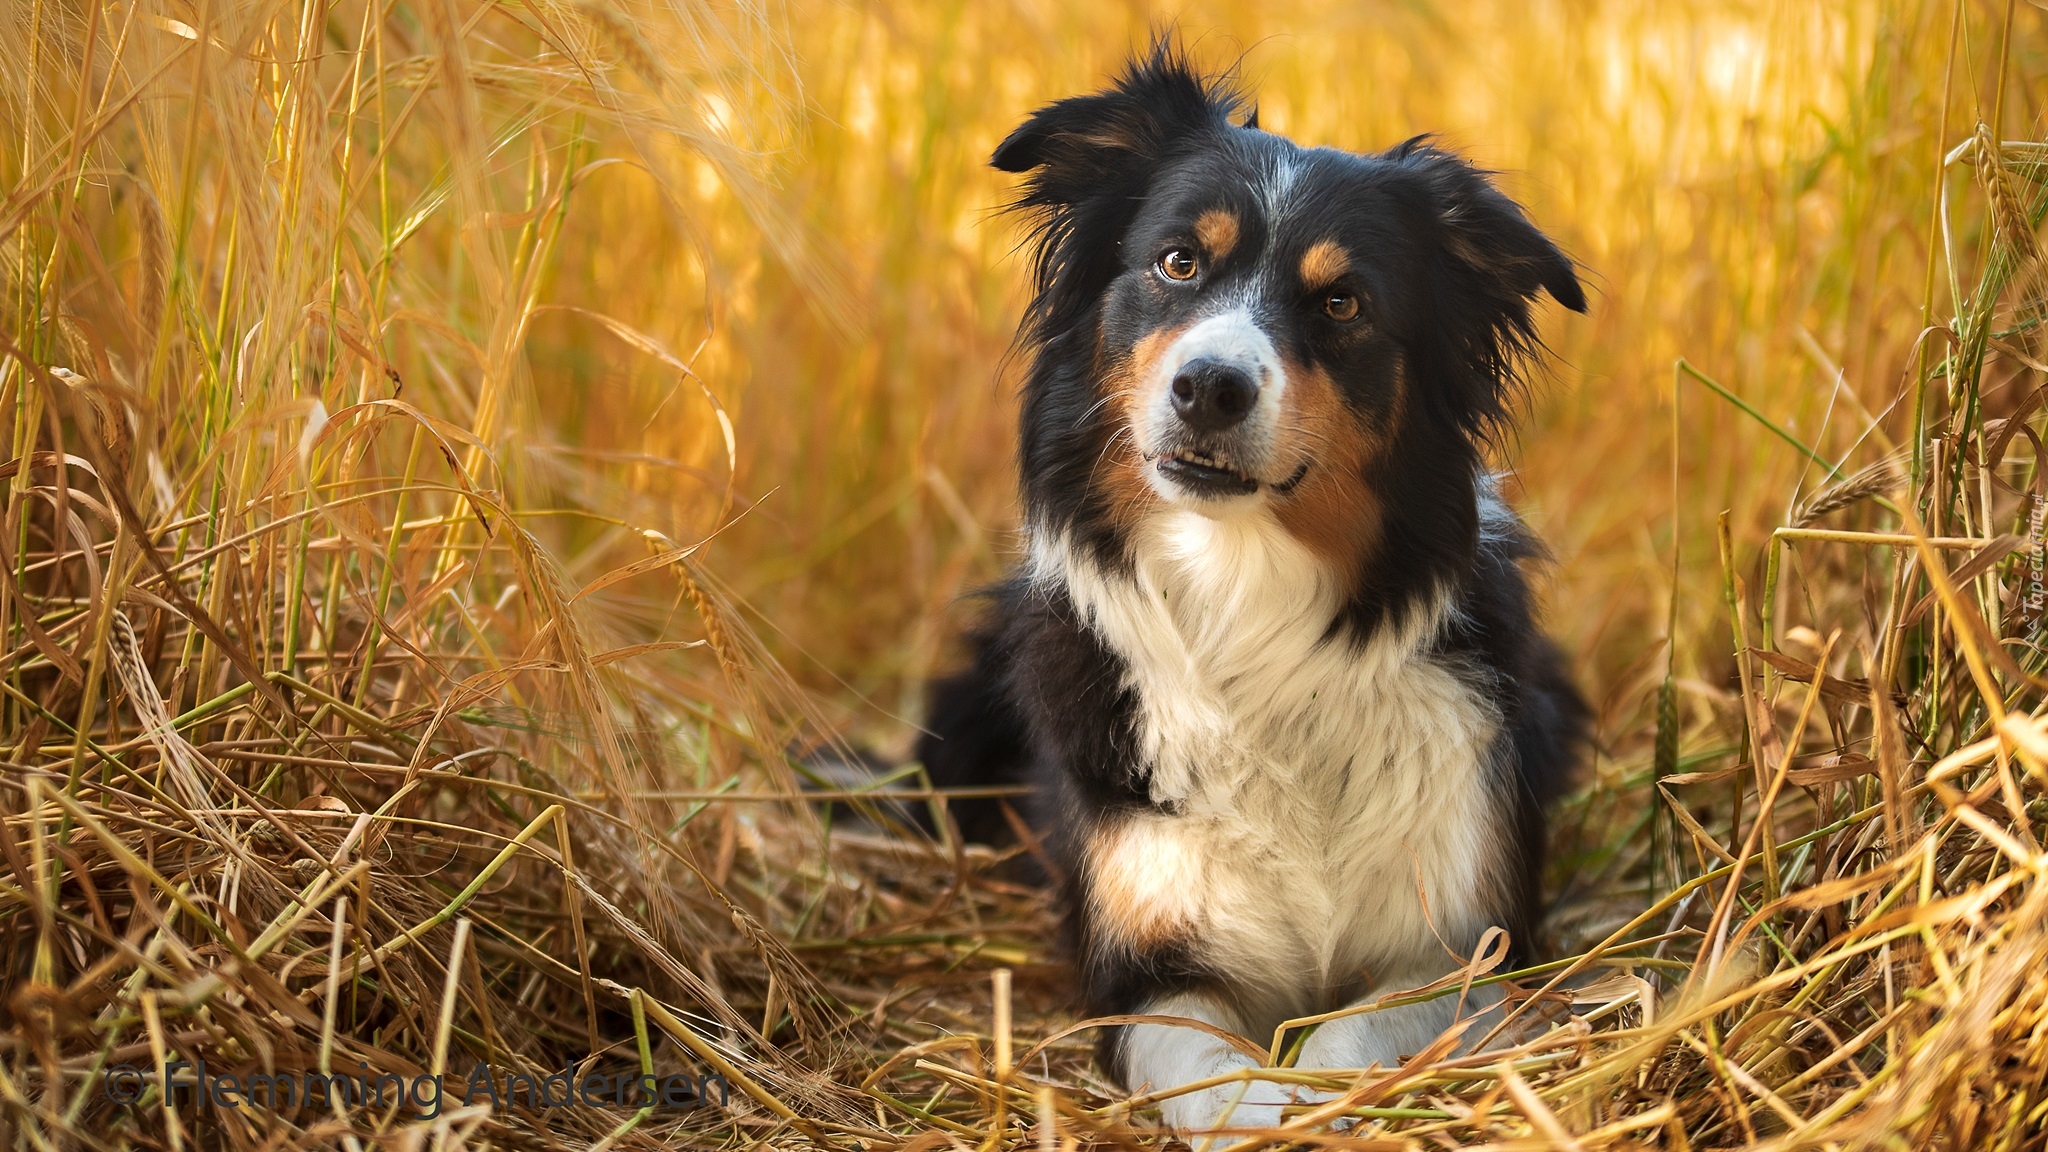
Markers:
<point>1329,805</point>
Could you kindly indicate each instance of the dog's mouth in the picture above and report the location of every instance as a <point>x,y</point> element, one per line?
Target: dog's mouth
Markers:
<point>1211,474</point>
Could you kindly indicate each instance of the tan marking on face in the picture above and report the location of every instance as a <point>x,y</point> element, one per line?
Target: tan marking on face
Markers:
<point>1129,385</point>
<point>1217,230</point>
<point>1335,511</point>
<point>1323,263</point>
<point>1146,884</point>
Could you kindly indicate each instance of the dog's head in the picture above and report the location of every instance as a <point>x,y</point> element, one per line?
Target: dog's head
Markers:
<point>1229,322</point>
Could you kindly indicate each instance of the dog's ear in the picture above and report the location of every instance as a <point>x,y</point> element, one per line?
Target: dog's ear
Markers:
<point>1490,263</point>
<point>1079,145</point>
<point>1090,161</point>
<point>1486,235</point>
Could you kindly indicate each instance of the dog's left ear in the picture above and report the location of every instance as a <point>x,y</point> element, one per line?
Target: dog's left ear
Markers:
<point>1487,235</point>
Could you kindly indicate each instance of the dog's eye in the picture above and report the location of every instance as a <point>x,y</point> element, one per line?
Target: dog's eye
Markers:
<point>1177,264</point>
<point>1340,306</point>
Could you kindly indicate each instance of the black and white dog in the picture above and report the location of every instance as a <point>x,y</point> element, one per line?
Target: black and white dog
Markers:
<point>1271,663</point>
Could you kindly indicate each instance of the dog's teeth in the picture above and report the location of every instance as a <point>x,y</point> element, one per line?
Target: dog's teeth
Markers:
<point>1204,460</point>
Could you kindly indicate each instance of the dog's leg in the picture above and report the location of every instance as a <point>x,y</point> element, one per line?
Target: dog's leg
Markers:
<point>1385,1036</point>
<point>1160,1057</point>
<point>974,735</point>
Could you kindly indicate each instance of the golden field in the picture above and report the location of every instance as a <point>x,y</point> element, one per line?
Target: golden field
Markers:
<point>456,451</point>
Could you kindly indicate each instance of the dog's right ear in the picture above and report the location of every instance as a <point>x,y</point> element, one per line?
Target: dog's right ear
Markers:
<point>1159,101</point>
<point>1091,158</point>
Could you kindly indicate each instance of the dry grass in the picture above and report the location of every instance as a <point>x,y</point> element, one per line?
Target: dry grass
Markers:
<point>455,451</point>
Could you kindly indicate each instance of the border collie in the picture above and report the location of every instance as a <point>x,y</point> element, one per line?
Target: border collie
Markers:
<point>1271,663</point>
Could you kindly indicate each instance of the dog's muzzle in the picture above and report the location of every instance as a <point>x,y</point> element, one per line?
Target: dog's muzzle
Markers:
<point>1211,428</point>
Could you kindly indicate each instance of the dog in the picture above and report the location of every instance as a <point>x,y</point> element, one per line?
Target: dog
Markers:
<point>1271,664</point>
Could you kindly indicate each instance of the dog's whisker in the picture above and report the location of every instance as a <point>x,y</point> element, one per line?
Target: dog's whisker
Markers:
<point>1097,406</point>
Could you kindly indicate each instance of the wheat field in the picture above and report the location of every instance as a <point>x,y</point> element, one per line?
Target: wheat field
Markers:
<point>472,468</point>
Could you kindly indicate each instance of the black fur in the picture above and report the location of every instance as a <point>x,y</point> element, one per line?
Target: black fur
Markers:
<point>1453,266</point>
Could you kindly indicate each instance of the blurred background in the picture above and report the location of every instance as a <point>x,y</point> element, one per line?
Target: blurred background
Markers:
<point>525,422</point>
<point>1747,185</point>
<point>739,274</point>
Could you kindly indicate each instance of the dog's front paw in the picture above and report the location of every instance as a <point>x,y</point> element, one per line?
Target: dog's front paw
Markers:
<point>1253,1104</point>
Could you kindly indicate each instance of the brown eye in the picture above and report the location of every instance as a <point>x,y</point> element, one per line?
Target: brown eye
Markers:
<point>1177,264</point>
<point>1340,306</point>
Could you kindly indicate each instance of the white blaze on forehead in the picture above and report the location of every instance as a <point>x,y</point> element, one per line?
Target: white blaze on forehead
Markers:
<point>1276,193</point>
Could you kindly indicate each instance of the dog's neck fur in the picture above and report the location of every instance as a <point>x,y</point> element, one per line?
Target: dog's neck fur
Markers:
<point>1332,789</point>
<point>1234,637</point>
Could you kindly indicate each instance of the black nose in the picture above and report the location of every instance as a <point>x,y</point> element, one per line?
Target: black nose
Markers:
<point>1209,395</point>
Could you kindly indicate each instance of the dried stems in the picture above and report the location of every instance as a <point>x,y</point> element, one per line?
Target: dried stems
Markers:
<point>361,715</point>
